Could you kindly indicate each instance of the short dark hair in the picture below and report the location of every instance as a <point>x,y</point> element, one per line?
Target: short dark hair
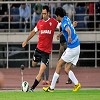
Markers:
<point>46,7</point>
<point>60,12</point>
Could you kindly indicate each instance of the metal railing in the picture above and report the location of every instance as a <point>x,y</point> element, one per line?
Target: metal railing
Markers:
<point>82,16</point>
<point>11,53</point>
<point>7,40</point>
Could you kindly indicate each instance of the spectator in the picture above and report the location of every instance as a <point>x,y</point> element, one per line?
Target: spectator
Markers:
<point>3,16</point>
<point>52,8</point>
<point>58,4</point>
<point>15,5</point>
<point>37,13</point>
<point>70,10</point>
<point>98,15</point>
<point>80,16</point>
<point>80,4</point>
<point>25,12</point>
<point>91,16</point>
<point>46,3</point>
<point>45,77</point>
<point>14,18</point>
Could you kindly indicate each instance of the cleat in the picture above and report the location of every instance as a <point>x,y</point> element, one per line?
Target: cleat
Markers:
<point>77,87</point>
<point>31,90</point>
<point>47,83</point>
<point>69,81</point>
<point>47,89</point>
<point>57,80</point>
<point>43,83</point>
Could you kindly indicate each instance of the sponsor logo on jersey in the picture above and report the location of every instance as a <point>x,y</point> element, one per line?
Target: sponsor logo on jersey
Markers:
<point>76,38</point>
<point>45,31</point>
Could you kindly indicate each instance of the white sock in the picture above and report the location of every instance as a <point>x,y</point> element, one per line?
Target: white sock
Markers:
<point>72,77</point>
<point>54,80</point>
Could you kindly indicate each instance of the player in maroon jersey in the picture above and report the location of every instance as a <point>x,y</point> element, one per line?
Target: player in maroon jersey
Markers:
<point>46,28</point>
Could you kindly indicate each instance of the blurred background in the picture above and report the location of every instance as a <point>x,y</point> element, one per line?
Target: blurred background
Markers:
<point>16,24</point>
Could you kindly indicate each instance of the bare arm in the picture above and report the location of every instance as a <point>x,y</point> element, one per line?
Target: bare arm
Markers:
<point>58,35</point>
<point>69,34</point>
<point>75,23</point>
<point>67,29</point>
<point>28,38</point>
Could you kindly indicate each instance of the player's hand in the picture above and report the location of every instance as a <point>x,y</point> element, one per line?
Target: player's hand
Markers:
<point>58,37</point>
<point>69,39</point>
<point>75,23</point>
<point>24,44</point>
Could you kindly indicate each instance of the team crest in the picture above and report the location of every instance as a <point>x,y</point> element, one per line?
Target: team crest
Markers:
<point>50,24</point>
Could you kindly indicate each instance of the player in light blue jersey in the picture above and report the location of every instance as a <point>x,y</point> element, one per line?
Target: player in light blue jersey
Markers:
<point>71,54</point>
<point>69,33</point>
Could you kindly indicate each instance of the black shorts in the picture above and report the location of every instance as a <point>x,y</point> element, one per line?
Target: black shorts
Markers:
<point>40,56</point>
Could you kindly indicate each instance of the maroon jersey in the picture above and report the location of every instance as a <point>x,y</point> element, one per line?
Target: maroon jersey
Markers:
<point>46,31</point>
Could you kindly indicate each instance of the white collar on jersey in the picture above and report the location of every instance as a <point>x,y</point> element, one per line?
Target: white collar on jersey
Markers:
<point>47,20</point>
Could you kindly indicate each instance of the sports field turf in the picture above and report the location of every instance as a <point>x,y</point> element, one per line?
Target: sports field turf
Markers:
<point>56,95</point>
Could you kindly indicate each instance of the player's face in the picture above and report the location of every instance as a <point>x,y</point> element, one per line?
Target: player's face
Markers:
<point>58,18</point>
<point>45,14</point>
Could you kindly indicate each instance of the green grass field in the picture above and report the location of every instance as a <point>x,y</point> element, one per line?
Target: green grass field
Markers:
<point>56,95</point>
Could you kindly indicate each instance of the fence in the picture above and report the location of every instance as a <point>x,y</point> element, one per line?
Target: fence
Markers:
<point>86,14</point>
<point>11,37</point>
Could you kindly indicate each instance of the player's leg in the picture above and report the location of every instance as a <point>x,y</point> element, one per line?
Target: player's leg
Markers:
<point>36,59</point>
<point>57,72</point>
<point>70,73</point>
<point>61,50</point>
<point>34,63</point>
<point>47,75</point>
<point>55,76</point>
<point>72,56</point>
<point>72,76</point>
<point>39,76</point>
<point>44,61</point>
<point>43,79</point>
<point>69,81</point>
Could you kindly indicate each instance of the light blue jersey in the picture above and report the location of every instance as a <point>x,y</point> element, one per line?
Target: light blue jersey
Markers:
<point>66,23</point>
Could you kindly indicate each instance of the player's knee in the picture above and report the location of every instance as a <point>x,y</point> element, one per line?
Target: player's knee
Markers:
<point>61,50</point>
<point>34,64</point>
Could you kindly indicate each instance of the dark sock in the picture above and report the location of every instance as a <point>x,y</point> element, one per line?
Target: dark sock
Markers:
<point>36,82</point>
